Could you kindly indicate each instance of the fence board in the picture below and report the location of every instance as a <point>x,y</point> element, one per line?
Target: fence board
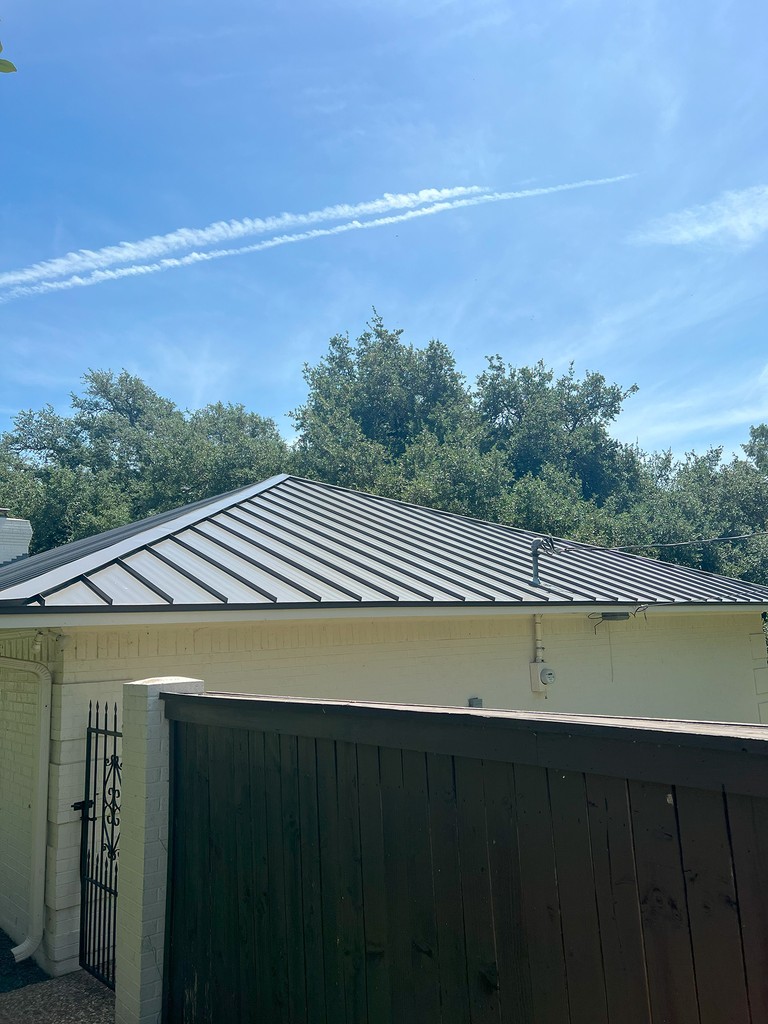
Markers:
<point>244,888</point>
<point>396,882</point>
<point>669,956</point>
<point>352,929</point>
<point>260,869</point>
<point>225,968</point>
<point>541,903</point>
<point>506,889</point>
<point>377,951</point>
<point>618,905</point>
<point>578,901</point>
<point>447,885</point>
<point>181,939</point>
<point>748,822</point>
<point>328,821</point>
<point>421,897</point>
<point>199,976</point>
<point>482,965</point>
<point>712,907</point>
<point>312,924</point>
<point>292,877</point>
<point>277,953</point>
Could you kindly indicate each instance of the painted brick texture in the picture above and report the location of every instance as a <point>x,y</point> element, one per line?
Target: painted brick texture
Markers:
<point>671,665</point>
<point>18,752</point>
<point>143,852</point>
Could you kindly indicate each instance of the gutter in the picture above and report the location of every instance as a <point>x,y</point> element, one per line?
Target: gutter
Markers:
<point>14,618</point>
<point>34,937</point>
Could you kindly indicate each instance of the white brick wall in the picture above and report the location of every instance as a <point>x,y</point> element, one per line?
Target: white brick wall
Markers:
<point>143,850</point>
<point>677,665</point>
<point>18,755</point>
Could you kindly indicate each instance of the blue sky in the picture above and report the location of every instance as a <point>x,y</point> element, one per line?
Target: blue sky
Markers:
<point>129,122</point>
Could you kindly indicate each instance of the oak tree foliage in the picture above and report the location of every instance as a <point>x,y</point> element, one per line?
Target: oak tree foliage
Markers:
<point>520,445</point>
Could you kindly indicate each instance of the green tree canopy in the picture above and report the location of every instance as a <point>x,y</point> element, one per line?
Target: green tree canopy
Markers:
<point>523,446</point>
<point>385,416</point>
<point>539,420</point>
<point>124,453</point>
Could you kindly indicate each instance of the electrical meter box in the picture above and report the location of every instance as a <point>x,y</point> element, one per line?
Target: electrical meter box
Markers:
<point>542,676</point>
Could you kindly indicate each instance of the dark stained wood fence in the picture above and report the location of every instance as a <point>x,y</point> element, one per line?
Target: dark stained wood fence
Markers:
<point>364,863</point>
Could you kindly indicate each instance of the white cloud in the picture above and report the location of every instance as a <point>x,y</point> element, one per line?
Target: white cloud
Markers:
<point>41,284</point>
<point>701,410</point>
<point>740,217</point>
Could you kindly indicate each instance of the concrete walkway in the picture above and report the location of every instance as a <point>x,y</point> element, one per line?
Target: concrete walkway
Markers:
<point>72,999</point>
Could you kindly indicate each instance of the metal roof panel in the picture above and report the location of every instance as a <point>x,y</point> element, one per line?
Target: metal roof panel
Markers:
<point>290,542</point>
<point>78,593</point>
<point>124,588</point>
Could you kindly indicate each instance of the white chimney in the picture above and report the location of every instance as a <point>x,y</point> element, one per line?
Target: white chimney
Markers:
<point>15,535</point>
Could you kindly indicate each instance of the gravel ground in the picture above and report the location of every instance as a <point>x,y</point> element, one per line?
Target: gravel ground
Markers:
<point>29,996</point>
<point>72,999</point>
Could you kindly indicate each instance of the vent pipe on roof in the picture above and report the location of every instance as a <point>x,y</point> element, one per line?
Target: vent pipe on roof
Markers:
<point>545,543</point>
<point>541,545</point>
<point>15,535</point>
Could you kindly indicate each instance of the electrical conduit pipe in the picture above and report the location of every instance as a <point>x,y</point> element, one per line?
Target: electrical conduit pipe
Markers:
<point>538,639</point>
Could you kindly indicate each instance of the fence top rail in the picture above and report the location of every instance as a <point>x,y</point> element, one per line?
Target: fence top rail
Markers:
<point>254,704</point>
<point>708,755</point>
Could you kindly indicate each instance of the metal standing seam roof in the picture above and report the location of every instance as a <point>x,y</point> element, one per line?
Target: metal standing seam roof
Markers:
<point>291,543</point>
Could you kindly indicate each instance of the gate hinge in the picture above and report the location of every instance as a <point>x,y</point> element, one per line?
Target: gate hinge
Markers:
<point>80,805</point>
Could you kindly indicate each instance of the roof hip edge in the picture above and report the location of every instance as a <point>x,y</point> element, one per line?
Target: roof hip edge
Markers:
<point>123,536</point>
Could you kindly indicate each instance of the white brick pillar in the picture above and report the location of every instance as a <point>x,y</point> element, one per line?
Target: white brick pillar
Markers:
<point>143,849</point>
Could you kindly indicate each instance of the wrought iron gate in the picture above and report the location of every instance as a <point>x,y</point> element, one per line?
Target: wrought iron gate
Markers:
<point>99,843</point>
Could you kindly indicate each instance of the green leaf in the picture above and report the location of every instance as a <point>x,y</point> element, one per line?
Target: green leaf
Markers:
<point>6,66</point>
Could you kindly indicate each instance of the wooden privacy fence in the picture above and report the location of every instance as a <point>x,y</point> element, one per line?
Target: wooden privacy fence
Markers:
<point>369,863</point>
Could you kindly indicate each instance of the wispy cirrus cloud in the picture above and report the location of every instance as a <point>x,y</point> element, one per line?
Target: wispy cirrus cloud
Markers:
<point>740,217</point>
<point>670,420</point>
<point>35,280</point>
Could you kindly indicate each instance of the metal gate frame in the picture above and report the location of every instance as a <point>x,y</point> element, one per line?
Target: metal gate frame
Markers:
<point>99,843</point>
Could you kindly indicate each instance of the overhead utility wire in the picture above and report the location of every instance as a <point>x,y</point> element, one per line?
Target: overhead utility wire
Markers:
<point>688,543</point>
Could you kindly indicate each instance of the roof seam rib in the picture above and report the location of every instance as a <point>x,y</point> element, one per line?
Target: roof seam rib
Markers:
<point>175,567</point>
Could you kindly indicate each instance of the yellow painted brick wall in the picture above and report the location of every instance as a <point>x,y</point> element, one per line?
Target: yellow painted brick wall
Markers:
<point>677,665</point>
<point>18,755</point>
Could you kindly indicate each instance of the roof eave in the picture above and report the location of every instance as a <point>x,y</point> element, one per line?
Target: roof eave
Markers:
<point>18,618</point>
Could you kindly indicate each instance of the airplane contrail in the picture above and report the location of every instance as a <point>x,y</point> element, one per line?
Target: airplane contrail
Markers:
<point>223,231</point>
<point>171,263</point>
